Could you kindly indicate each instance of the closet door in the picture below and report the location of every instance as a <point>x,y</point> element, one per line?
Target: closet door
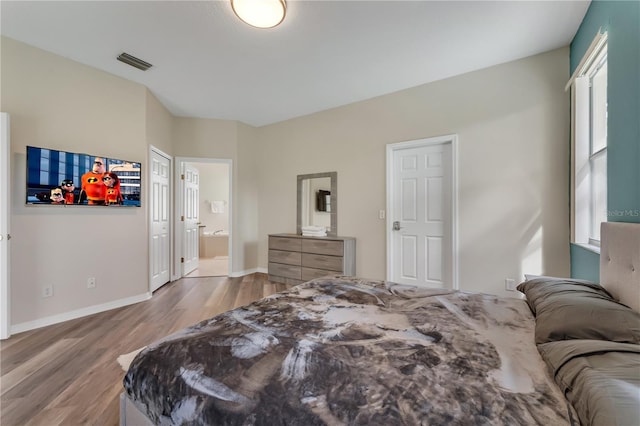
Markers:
<point>160,220</point>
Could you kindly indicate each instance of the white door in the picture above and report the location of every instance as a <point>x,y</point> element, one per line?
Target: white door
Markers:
<point>190,213</point>
<point>420,214</point>
<point>4,225</point>
<point>160,220</point>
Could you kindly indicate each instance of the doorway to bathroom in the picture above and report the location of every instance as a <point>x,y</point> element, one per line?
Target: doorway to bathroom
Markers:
<point>205,217</point>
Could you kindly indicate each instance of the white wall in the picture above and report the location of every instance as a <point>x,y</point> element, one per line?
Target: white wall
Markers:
<point>512,122</point>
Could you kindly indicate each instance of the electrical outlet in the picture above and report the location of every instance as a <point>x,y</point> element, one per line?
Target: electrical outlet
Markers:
<point>91,282</point>
<point>381,214</point>
<point>510,284</point>
<point>47,290</point>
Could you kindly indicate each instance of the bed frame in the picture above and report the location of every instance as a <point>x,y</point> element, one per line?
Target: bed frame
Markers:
<point>620,262</point>
<point>130,414</point>
<point>619,274</point>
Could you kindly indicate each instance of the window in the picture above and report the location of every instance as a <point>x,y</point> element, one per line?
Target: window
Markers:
<point>589,144</point>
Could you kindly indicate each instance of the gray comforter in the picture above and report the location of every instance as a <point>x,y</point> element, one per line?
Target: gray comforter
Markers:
<point>600,378</point>
<point>347,351</point>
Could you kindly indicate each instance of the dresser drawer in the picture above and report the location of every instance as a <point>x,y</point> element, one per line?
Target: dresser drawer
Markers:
<point>322,261</point>
<point>284,243</point>
<point>287,257</point>
<point>335,248</point>
<point>281,270</point>
<point>311,273</point>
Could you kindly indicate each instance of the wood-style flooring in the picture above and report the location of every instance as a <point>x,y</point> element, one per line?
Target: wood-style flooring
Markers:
<point>67,373</point>
<point>211,267</point>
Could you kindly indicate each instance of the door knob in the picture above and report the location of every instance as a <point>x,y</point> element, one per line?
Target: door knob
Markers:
<point>396,226</point>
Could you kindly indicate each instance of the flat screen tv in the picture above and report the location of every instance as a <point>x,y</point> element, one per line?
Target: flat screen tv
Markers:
<point>68,178</point>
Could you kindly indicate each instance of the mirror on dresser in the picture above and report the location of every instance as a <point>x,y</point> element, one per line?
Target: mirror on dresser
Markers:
<point>318,202</point>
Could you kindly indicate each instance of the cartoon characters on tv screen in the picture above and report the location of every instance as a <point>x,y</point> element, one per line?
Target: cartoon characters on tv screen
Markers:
<point>67,188</point>
<point>93,189</point>
<point>56,196</point>
<point>98,187</point>
<point>112,191</point>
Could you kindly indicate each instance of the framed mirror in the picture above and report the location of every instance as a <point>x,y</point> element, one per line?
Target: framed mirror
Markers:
<point>318,202</point>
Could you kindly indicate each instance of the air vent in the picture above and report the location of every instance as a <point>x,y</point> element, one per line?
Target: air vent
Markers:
<point>134,62</point>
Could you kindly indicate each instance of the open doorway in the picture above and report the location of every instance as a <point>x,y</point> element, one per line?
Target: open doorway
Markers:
<point>205,217</point>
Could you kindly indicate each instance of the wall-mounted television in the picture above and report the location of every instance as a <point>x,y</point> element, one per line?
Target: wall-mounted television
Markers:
<point>67,178</point>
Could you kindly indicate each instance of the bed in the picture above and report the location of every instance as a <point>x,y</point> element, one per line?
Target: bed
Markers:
<point>343,350</point>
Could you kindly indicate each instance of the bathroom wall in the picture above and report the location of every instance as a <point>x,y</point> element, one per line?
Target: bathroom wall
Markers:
<point>214,186</point>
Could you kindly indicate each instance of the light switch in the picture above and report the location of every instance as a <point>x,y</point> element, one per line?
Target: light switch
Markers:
<point>381,214</point>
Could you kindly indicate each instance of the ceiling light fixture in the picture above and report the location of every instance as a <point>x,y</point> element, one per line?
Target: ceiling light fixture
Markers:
<point>260,13</point>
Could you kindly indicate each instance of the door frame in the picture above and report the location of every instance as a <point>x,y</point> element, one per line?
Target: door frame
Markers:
<point>150,213</point>
<point>178,228</point>
<point>451,140</point>
<point>5,232</point>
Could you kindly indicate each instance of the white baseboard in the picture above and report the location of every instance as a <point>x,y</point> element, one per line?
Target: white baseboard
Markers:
<point>78,313</point>
<point>247,272</point>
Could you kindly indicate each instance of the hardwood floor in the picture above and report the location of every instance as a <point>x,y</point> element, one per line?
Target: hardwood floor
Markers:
<point>211,267</point>
<point>67,374</point>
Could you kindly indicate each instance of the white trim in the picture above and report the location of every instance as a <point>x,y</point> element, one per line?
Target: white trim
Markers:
<point>5,177</point>
<point>79,313</point>
<point>581,188</point>
<point>580,166</point>
<point>590,55</point>
<point>150,212</point>
<point>176,270</point>
<point>454,212</point>
<point>437,140</point>
<point>179,189</point>
<point>248,272</point>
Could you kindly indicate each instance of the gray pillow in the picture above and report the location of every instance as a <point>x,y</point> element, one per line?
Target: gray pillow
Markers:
<point>576,309</point>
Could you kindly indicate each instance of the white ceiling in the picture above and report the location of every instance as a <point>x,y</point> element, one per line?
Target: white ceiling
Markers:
<point>209,64</point>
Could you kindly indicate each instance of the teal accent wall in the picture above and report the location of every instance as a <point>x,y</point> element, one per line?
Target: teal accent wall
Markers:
<point>585,264</point>
<point>621,19</point>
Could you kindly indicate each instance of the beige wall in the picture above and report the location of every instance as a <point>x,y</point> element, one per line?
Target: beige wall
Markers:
<point>159,124</point>
<point>60,104</point>
<point>223,139</point>
<point>245,218</point>
<point>203,138</point>
<point>512,122</point>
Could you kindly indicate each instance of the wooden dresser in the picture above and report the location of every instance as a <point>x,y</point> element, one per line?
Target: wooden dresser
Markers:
<point>294,259</point>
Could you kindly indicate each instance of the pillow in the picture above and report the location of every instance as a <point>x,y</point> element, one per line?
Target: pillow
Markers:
<point>566,308</point>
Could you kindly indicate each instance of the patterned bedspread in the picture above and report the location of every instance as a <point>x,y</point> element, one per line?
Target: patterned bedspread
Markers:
<point>340,351</point>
